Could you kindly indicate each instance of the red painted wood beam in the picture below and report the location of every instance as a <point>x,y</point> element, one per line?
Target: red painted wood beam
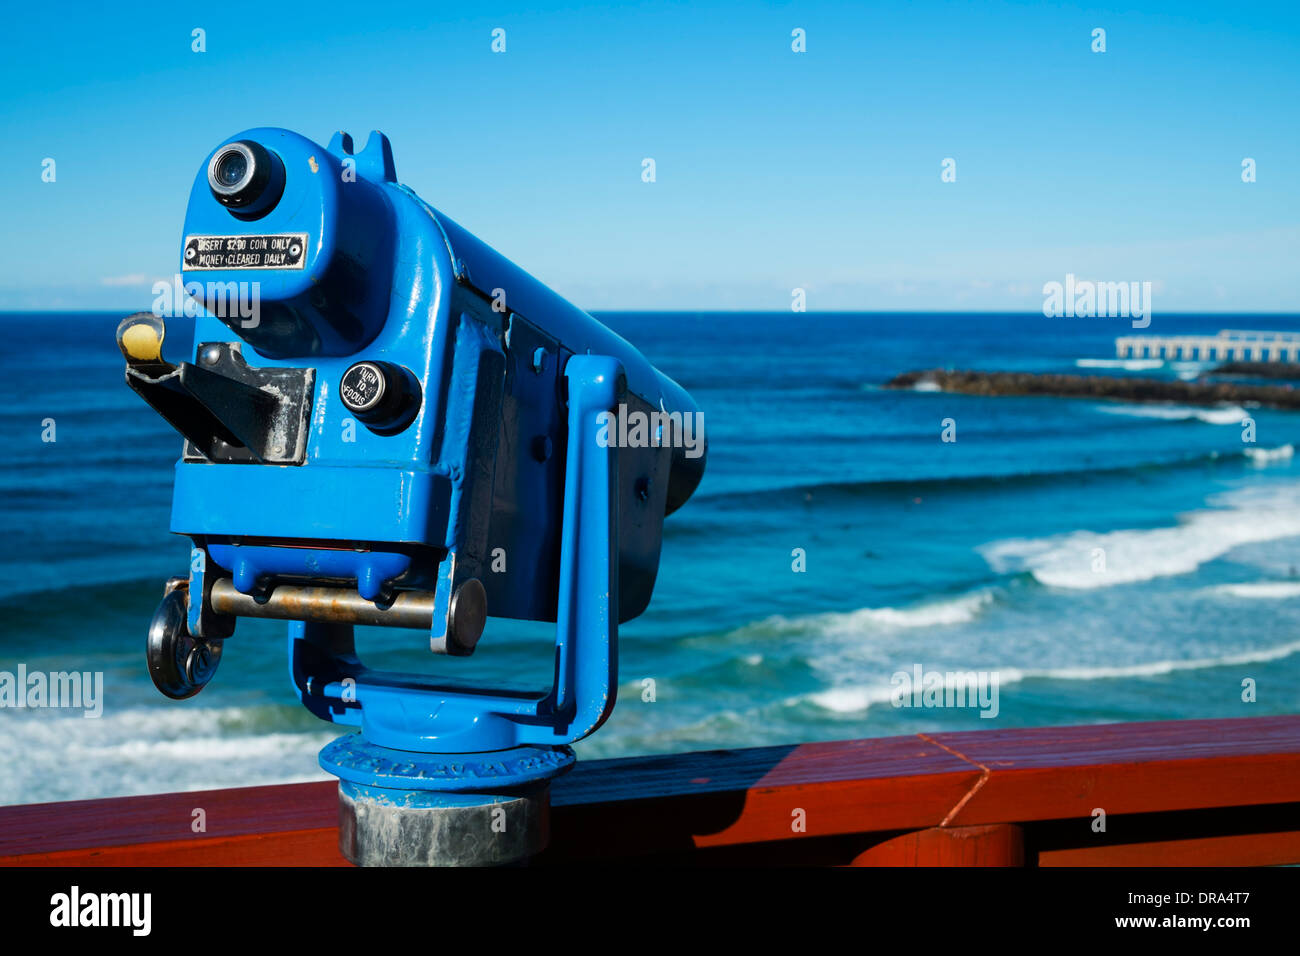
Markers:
<point>1001,844</point>
<point>1247,849</point>
<point>684,803</point>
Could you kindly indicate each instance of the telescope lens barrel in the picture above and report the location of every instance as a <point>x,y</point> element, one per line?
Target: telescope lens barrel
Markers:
<point>246,178</point>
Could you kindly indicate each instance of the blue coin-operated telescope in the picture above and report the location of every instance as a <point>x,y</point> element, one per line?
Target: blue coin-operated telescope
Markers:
<point>388,423</point>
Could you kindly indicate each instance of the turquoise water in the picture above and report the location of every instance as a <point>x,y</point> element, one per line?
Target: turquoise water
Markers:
<point>979,554</point>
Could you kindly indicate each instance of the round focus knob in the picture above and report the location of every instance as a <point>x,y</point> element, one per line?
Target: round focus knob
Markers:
<point>383,396</point>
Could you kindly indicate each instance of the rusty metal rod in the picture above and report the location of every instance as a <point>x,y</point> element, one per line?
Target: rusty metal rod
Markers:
<point>289,602</point>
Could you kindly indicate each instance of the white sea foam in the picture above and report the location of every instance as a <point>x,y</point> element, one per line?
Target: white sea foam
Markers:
<point>1086,559</point>
<point>1128,365</point>
<point>1156,668</point>
<point>926,385</point>
<point>50,756</point>
<point>193,750</point>
<point>848,700</point>
<point>855,699</point>
<point>1260,590</point>
<point>935,613</point>
<point>958,610</point>
<point>1221,415</point>
<point>1266,456</point>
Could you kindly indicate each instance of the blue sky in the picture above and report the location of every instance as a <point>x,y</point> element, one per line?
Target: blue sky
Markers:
<point>775,169</point>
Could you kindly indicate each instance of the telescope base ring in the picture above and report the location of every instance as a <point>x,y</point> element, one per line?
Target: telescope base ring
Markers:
<point>489,830</point>
<point>401,808</point>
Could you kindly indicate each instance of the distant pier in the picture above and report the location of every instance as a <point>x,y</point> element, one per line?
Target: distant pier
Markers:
<point>1229,345</point>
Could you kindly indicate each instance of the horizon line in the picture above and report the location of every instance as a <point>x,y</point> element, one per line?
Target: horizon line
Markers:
<point>710,311</point>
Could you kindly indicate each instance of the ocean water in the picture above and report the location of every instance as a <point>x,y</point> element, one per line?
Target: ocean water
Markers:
<point>979,554</point>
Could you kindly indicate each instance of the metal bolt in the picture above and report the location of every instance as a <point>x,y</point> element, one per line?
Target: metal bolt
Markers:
<point>199,665</point>
<point>211,355</point>
<point>468,614</point>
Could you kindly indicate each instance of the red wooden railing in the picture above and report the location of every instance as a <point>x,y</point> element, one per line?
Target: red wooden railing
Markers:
<point>1197,792</point>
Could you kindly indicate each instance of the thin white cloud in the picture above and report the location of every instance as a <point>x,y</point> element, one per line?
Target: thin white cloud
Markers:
<point>135,278</point>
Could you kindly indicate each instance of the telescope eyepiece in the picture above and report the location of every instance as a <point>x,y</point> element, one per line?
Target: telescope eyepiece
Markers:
<point>232,168</point>
<point>246,178</point>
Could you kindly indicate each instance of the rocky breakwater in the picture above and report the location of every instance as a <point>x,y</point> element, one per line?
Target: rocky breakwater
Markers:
<point>1260,369</point>
<point>1097,387</point>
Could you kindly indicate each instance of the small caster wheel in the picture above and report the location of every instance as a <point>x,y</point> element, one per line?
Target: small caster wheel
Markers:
<point>180,664</point>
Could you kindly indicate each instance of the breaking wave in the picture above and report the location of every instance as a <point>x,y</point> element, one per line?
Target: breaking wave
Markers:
<point>854,699</point>
<point>1087,559</point>
<point>935,613</point>
<point>1128,365</point>
<point>1223,415</point>
<point>1266,456</point>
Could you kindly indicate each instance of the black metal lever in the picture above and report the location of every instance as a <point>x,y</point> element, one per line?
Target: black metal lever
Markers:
<point>227,410</point>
